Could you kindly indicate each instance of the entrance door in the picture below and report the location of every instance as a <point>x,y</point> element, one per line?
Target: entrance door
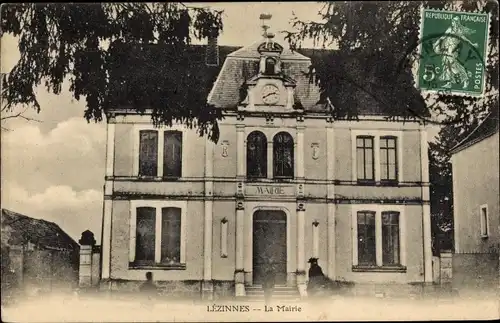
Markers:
<point>269,244</point>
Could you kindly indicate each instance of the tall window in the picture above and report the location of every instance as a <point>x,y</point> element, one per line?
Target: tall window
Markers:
<point>172,155</point>
<point>365,158</point>
<point>390,238</point>
<point>388,159</point>
<point>366,238</point>
<point>171,235</point>
<point>256,155</point>
<point>283,155</point>
<point>156,234</point>
<point>148,153</point>
<point>145,235</point>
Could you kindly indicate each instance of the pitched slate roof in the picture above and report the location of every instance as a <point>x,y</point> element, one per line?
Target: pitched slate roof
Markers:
<point>42,233</point>
<point>243,64</point>
<point>488,127</point>
<point>221,85</point>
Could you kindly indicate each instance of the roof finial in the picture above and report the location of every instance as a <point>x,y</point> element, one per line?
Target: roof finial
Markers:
<point>263,17</point>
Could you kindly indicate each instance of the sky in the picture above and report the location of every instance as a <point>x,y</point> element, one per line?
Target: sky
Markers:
<point>53,168</point>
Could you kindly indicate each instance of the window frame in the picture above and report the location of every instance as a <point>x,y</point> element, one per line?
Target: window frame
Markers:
<point>273,160</point>
<point>391,225</point>
<point>379,265</point>
<point>364,148</point>
<point>163,164</point>
<point>266,172</point>
<point>365,213</point>
<point>150,131</point>
<point>158,205</point>
<point>377,134</point>
<point>387,149</point>
<point>484,222</point>
<point>160,151</point>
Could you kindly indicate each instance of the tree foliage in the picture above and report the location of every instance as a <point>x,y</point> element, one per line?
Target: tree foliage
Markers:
<point>81,42</point>
<point>378,41</point>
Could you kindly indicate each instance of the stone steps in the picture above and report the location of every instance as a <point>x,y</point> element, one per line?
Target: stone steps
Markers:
<point>280,292</point>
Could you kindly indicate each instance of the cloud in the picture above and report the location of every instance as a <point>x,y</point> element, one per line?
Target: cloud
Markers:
<point>73,154</point>
<point>74,211</point>
<point>57,175</point>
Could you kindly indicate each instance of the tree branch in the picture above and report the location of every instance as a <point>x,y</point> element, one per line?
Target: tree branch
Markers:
<point>19,115</point>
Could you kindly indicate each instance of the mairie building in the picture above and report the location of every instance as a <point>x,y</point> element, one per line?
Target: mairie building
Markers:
<point>284,182</point>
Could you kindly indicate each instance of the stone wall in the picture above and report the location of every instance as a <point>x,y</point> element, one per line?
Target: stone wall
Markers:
<point>475,271</point>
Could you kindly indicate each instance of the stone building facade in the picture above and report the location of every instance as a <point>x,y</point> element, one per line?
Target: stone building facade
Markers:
<point>285,182</point>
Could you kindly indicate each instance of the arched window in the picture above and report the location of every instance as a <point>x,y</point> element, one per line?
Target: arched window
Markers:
<point>256,155</point>
<point>283,155</point>
<point>270,66</point>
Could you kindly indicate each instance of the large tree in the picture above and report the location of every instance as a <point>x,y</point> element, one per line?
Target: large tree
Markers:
<point>378,41</point>
<point>81,42</point>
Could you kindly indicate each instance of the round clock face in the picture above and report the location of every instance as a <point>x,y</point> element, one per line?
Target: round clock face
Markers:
<point>270,94</point>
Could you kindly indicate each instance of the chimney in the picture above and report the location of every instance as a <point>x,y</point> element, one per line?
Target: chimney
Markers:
<point>212,53</point>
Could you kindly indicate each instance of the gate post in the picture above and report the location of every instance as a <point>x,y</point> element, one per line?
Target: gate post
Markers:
<point>87,243</point>
<point>446,266</point>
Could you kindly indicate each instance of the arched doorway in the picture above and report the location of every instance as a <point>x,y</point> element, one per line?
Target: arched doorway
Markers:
<point>269,243</point>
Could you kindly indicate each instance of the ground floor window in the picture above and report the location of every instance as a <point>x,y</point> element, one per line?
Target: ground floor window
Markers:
<point>377,235</point>
<point>156,233</point>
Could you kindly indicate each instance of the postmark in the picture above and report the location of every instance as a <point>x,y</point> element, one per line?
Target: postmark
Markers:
<point>452,51</point>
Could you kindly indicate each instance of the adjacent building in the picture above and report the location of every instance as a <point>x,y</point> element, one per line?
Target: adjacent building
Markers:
<point>476,193</point>
<point>285,182</point>
<point>37,255</point>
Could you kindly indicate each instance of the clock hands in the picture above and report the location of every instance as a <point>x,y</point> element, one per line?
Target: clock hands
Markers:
<point>265,96</point>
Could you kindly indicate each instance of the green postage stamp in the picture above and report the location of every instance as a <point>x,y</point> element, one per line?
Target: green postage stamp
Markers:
<point>453,52</point>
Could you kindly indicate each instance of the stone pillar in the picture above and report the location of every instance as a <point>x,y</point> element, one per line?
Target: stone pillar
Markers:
<point>270,158</point>
<point>301,271</point>
<point>240,152</point>
<point>87,243</point>
<point>300,152</point>
<point>239,274</point>
<point>426,214</point>
<point>207,286</point>
<point>108,203</point>
<point>330,175</point>
<point>446,267</point>
<point>378,239</point>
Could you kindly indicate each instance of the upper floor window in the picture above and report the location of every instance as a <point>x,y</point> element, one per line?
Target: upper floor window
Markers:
<point>388,159</point>
<point>172,154</point>
<point>160,153</point>
<point>283,155</point>
<point>148,152</point>
<point>377,156</point>
<point>256,155</point>
<point>365,158</point>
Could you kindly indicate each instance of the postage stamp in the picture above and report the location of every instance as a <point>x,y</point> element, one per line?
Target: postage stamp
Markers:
<point>453,52</point>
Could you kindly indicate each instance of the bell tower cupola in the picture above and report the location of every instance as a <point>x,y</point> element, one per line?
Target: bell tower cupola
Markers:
<point>269,50</point>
